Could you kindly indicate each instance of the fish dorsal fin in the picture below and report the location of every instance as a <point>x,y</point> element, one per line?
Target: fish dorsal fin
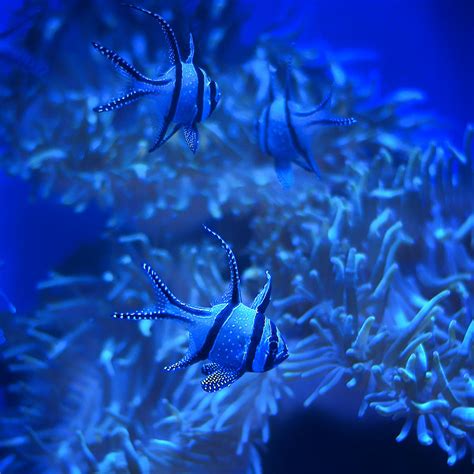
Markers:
<point>260,303</point>
<point>126,68</point>
<point>191,50</point>
<point>234,293</point>
<point>175,55</point>
<point>166,300</point>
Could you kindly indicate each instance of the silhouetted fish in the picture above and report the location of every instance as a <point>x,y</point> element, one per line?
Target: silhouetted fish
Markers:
<point>284,130</point>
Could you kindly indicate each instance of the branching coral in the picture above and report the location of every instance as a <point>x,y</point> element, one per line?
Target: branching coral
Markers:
<point>118,410</point>
<point>364,328</point>
<point>373,265</point>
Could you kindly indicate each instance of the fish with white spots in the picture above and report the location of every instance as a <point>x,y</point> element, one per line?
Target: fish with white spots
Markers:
<point>235,338</point>
<point>185,94</point>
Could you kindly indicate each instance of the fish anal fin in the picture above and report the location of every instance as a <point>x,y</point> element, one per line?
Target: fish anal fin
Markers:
<point>119,102</point>
<point>162,139</point>
<point>339,122</point>
<point>150,315</point>
<point>220,379</point>
<point>191,135</point>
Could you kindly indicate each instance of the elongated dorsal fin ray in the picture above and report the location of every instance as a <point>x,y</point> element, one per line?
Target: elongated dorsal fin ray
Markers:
<point>322,105</point>
<point>175,55</point>
<point>125,67</point>
<point>235,296</point>
<point>190,58</point>
<point>262,300</point>
<point>167,301</point>
<point>220,379</point>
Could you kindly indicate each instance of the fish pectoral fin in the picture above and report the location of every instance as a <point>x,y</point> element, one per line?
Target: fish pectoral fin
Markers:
<point>186,361</point>
<point>220,379</point>
<point>210,368</point>
<point>191,135</point>
<point>284,172</point>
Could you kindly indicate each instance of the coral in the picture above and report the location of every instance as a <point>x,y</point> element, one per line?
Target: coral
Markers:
<point>373,265</point>
<point>360,295</point>
<point>115,409</point>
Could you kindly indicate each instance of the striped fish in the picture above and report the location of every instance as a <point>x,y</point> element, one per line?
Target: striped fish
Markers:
<point>185,94</point>
<point>284,132</point>
<point>235,338</point>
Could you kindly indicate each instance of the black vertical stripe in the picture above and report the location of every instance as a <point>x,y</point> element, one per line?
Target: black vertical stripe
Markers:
<point>211,337</point>
<point>257,331</point>
<point>293,135</point>
<point>213,96</point>
<point>266,122</point>
<point>270,360</point>
<point>174,102</point>
<point>200,94</point>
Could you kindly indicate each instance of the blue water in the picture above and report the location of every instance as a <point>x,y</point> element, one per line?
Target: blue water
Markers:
<point>78,217</point>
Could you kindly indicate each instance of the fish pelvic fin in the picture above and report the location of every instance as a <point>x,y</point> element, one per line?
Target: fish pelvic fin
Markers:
<point>191,135</point>
<point>220,379</point>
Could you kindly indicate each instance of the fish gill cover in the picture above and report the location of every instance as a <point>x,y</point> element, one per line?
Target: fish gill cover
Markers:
<point>372,264</point>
